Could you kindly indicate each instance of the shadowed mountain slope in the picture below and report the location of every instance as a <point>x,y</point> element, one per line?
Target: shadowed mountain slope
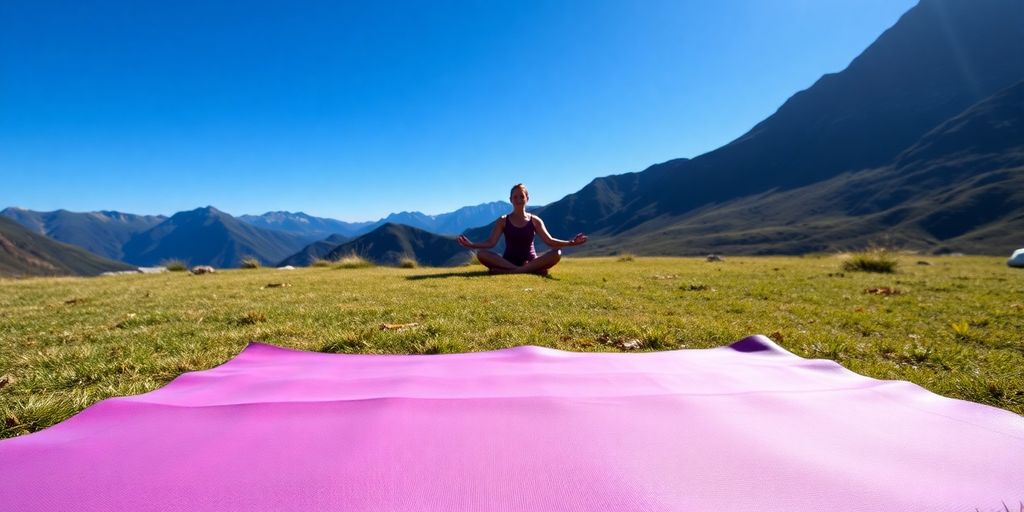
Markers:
<point>207,236</point>
<point>24,253</point>
<point>940,58</point>
<point>959,188</point>
<point>101,233</point>
<point>390,243</point>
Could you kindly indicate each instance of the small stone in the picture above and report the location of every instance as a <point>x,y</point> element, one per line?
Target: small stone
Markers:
<point>883,290</point>
<point>398,327</point>
<point>120,272</point>
<point>630,344</point>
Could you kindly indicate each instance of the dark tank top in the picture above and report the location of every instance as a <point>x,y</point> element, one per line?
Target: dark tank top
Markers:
<point>519,242</point>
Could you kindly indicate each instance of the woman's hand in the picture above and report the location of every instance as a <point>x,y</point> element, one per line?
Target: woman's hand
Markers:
<point>463,241</point>
<point>579,239</point>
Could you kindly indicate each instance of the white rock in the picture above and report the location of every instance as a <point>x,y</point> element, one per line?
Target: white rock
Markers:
<point>120,272</point>
<point>1017,259</point>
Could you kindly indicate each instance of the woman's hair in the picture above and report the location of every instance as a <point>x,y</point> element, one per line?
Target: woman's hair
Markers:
<point>519,185</point>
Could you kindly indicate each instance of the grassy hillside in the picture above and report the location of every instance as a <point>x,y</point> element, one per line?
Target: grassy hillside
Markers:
<point>953,326</point>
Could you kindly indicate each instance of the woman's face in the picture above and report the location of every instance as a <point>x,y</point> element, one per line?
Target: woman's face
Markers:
<point>518,197</point>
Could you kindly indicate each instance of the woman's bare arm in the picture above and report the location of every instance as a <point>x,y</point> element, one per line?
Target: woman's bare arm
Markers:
<point>499,226</point>
<point>553,242</point>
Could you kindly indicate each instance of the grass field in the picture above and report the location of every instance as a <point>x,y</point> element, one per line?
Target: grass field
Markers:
<point>955,326</point>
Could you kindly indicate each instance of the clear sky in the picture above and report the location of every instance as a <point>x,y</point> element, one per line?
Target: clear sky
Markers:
<point>353,110</point>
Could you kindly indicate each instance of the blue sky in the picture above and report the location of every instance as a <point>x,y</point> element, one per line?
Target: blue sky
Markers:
<point>355,110</point>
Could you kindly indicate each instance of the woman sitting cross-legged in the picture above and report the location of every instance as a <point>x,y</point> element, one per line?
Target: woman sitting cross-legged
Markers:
<point>519,228</point>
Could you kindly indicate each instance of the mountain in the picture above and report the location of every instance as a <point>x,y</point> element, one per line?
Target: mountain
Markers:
<point>939,59</point>
<point>25,253</point>
<point>315,251</point>
<point>960,188</point>
<point>318,228</point>
<point>307,226</point>
<point>101,233</point>
<point>452,223</point>
<point>207,236</point>
<point>390,243</point>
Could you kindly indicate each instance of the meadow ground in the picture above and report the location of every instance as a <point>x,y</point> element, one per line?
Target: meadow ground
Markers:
<point>955,326</point>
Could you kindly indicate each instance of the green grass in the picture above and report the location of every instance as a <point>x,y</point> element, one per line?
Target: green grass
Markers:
<point>954,327</point>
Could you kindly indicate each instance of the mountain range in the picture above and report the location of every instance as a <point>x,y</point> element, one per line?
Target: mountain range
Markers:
<point>316,228</point>
<point>801,179</point>
<point>101,233</point>
<point>209,236</point>
<point>25,253</point>
<point>452,223</point>
<point>307,226</point>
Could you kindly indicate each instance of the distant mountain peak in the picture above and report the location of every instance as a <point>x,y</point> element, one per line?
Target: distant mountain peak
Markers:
<point>201,212</point>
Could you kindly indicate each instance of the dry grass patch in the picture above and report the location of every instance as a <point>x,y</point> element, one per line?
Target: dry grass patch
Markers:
<point>250,262</point>
<point>408,262</point>
<point>174,265</point>
<point>872,260</point>
<point>353,261</point>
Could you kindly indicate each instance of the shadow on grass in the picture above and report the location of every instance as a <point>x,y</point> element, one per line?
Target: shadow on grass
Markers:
<point>474,273</point>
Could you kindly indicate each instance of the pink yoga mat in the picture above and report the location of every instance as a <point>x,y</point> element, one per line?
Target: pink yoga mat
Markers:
<point>744,427</point>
